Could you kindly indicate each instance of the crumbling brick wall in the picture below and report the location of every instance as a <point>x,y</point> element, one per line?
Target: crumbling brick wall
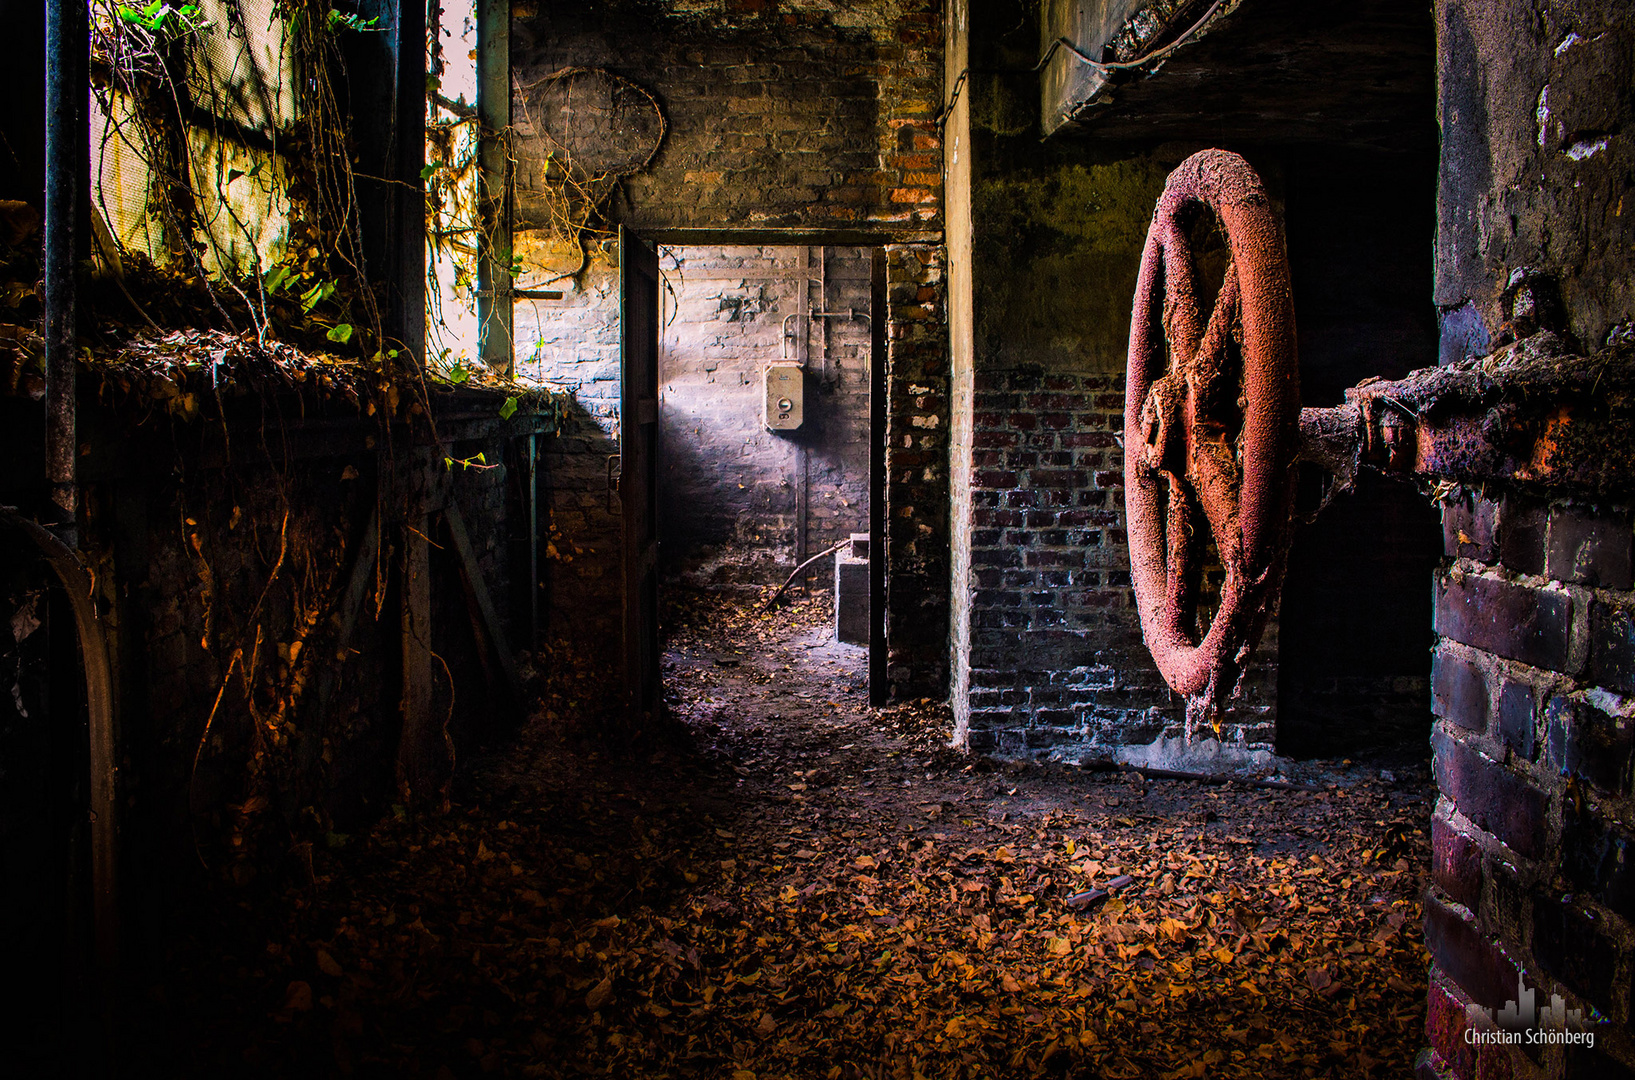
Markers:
<point>1533,673</point>
<point>779,118</point>
<point>778,115</point>
<point>1049,639</point>
<point>1057,658</point>
<point>734,496</point>
<point>917,547</point>
<point>1532,682</point>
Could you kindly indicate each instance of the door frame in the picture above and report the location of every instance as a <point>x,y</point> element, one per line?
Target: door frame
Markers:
<point>638,472</point>
<point>876,242</point>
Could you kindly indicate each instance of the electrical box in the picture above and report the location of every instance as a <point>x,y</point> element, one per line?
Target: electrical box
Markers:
<point>785,404</point>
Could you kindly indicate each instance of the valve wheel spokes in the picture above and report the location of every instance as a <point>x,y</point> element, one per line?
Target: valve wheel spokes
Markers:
<point>1212,416</point>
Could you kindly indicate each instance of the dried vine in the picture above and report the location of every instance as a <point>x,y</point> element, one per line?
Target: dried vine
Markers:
<point>576,191</point>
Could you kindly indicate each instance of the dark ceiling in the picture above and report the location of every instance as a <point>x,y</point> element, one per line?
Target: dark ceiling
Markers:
<point>1359,74</point>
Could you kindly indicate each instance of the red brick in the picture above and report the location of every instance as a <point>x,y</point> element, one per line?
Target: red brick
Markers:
<point>913,195</point>
<point>1466,955</point>
<point>1456,862</point>
<point>1587,743</point>
<point>1514,620</point>
<point>1459,690</point>
<point>1612,646</point>
<point>1492,796</point>
<point>1588,547</point>
<point>1518,708</point>
<point>1470,528</point>
<point>1521,534</point>
<point>1574,947</point>
<point>1445,1024</point>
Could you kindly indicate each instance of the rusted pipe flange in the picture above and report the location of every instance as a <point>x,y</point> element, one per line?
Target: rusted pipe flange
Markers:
<point>1211,426</point>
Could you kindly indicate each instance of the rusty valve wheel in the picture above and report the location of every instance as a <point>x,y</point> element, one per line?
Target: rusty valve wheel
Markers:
<point>1211,429</point>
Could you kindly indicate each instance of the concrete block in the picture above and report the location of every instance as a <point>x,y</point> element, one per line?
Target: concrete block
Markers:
<point>851,599</point>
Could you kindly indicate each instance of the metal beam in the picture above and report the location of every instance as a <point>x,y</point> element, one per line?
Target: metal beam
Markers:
<point>494,259</point>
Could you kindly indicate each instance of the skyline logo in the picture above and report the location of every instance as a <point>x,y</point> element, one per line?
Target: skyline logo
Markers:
<point>1520,1021</point>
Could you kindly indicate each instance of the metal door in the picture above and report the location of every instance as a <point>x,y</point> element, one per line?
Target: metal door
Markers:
<point>638,465</point>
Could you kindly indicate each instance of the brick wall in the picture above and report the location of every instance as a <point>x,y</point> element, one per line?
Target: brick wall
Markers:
<point>779,115</point>
<point>1535,619</point>
<point>1051,646</point>
<point>1056,657</point>
<point>917,523</point>
<point>734,495</point>
<point>815,117</point>
<point>1533,686</point>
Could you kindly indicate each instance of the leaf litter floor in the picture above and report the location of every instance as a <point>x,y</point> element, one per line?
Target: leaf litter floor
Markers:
<point>788,883</point>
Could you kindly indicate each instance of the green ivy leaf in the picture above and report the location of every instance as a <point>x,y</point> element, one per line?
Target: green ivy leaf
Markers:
<point>508,408</point>
<point>317,295</point>
<point>341,332</point>
<point>146,21</point>
<point>277,278</point>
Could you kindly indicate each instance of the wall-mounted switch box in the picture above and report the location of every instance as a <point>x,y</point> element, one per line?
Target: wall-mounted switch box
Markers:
<point>785,400</point>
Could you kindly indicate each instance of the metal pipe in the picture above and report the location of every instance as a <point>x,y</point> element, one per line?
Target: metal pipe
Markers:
<point>66,137</point>
<point>104,769</point>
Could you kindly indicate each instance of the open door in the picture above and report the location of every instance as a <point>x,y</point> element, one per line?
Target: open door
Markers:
<point>638,466</point>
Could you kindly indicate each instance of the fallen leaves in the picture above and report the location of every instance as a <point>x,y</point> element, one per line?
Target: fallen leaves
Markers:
<point>684,915</point>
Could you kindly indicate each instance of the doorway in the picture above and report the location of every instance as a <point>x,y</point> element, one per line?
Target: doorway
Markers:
<point>767,392</point>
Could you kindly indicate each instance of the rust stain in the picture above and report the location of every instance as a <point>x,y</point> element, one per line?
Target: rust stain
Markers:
<point>1211,426</point>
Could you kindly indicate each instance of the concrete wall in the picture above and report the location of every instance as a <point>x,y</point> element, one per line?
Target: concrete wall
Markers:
<point>739,503</point>
<point>1536,158</point>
